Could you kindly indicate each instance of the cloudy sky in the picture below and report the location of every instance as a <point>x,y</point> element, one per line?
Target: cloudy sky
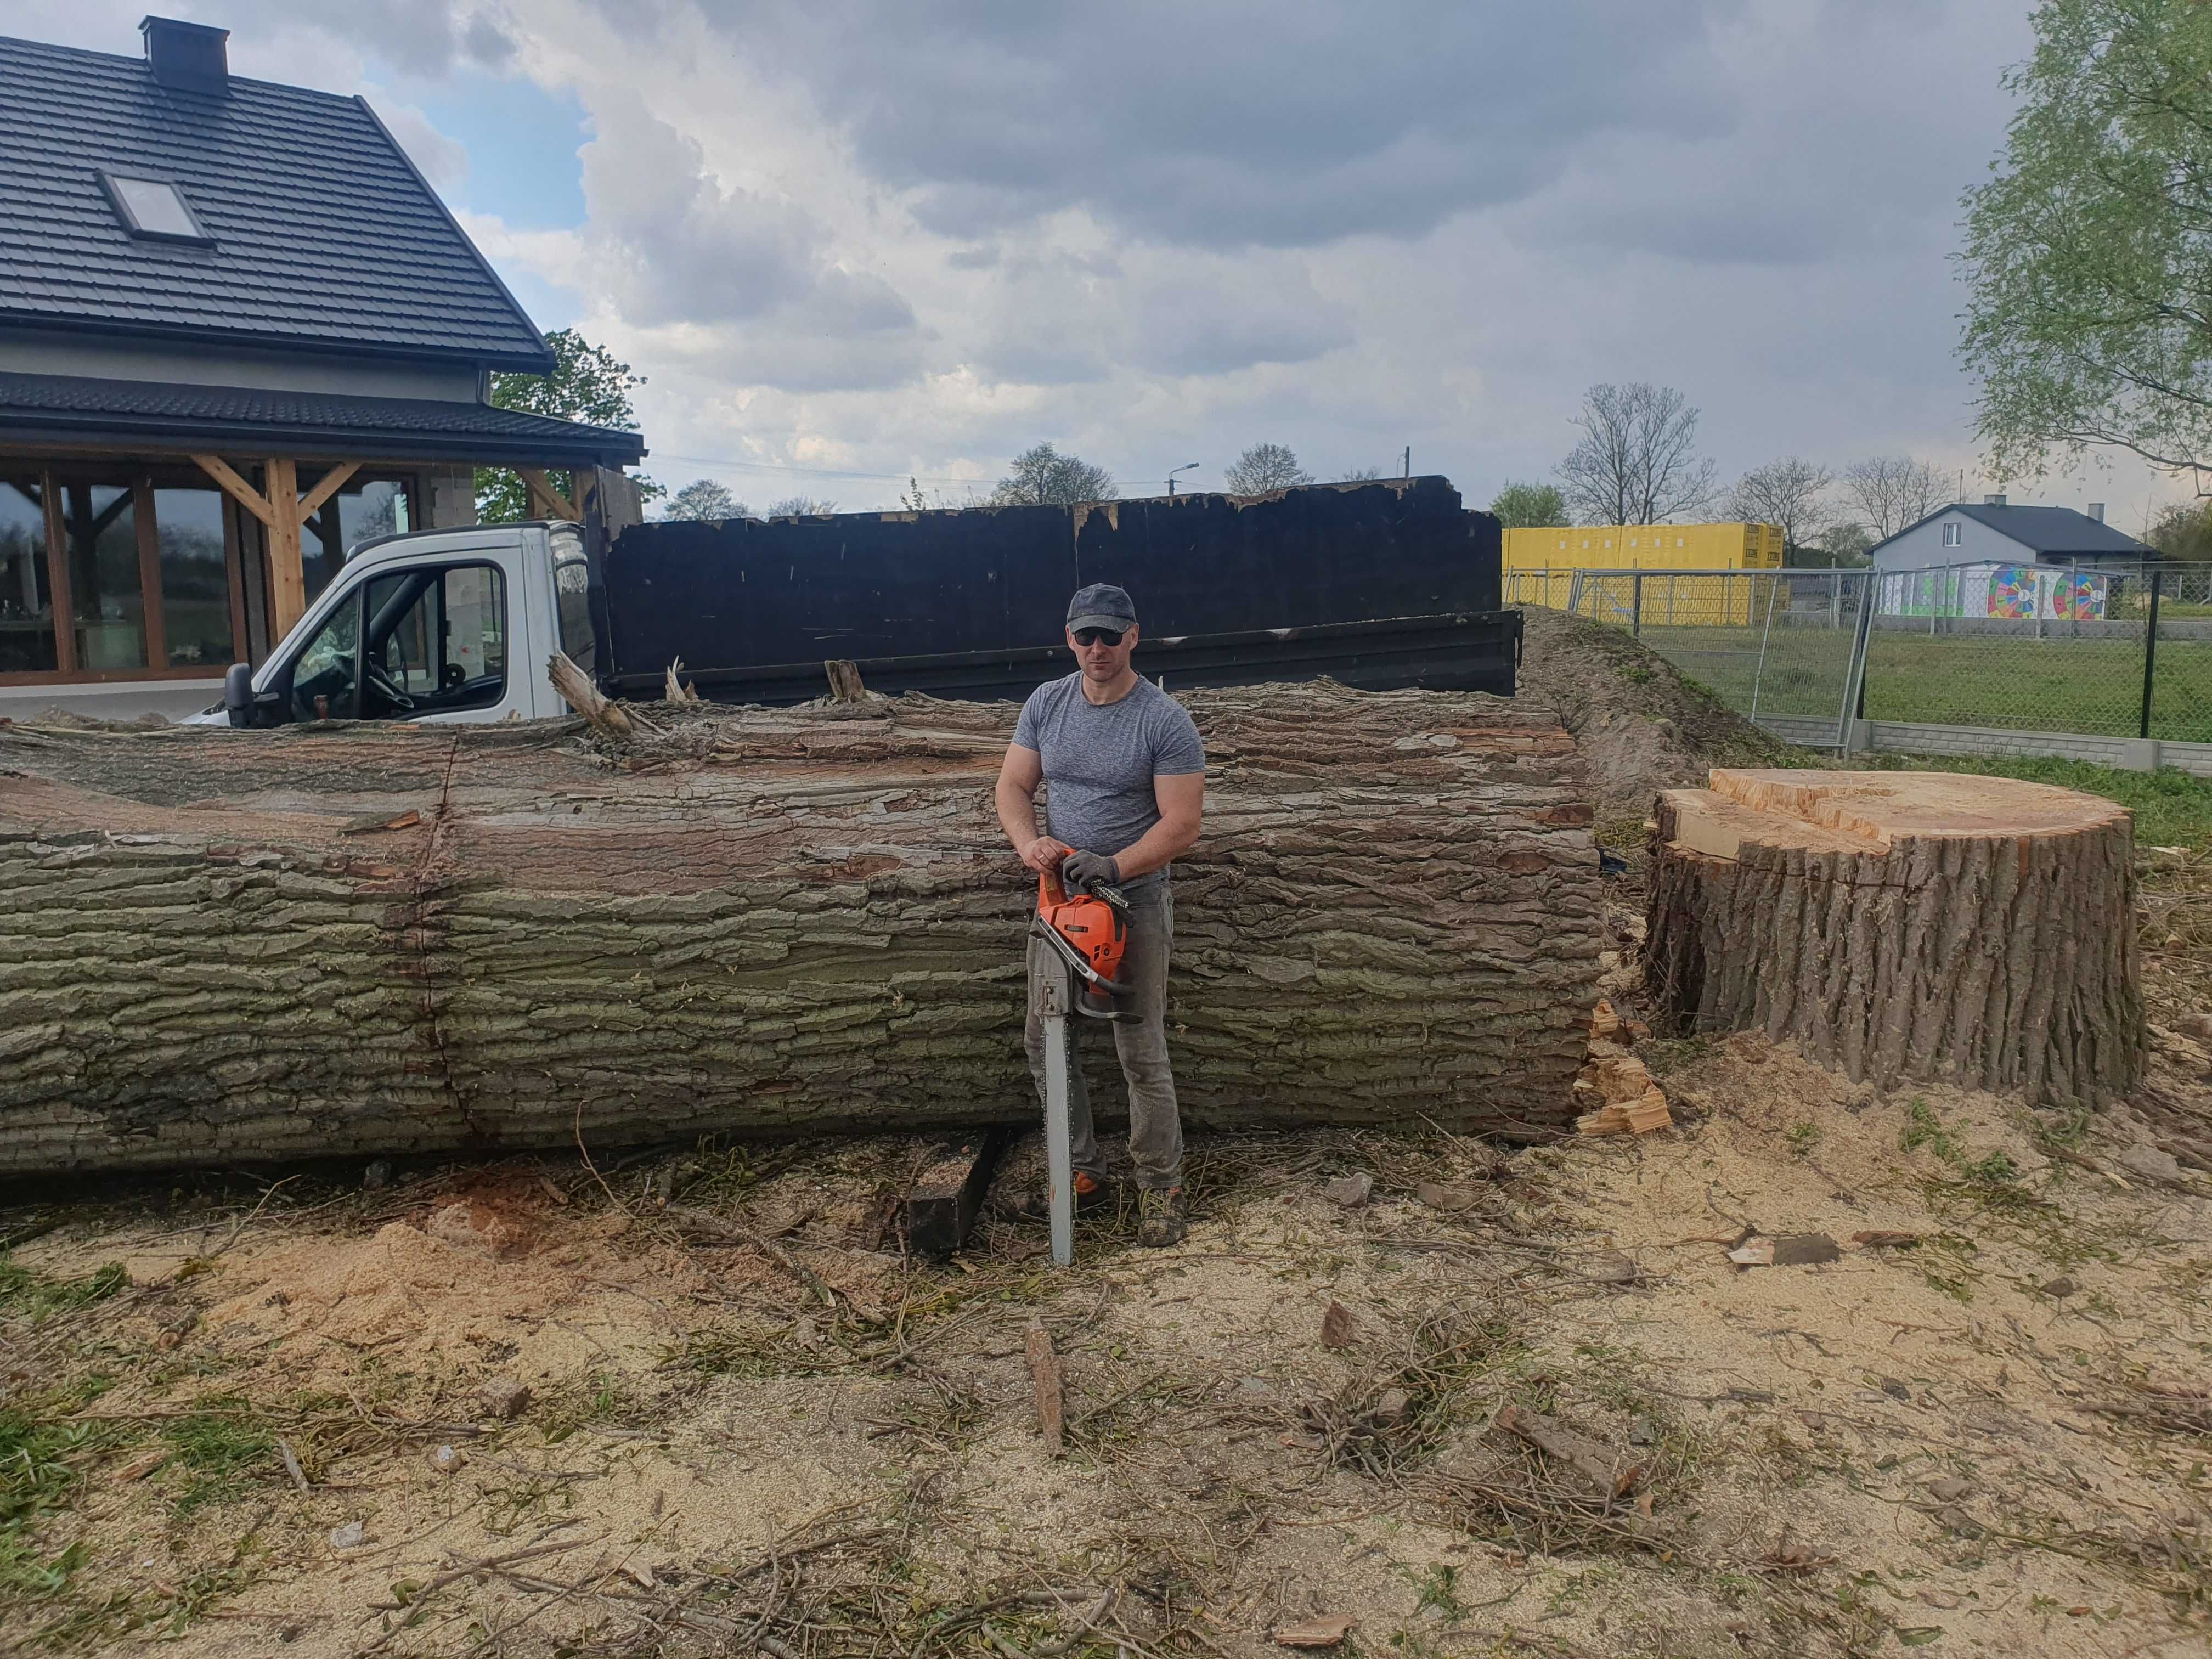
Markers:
<point>849,243</point>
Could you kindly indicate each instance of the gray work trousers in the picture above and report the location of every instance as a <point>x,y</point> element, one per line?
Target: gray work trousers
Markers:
<point>1155,1125</point>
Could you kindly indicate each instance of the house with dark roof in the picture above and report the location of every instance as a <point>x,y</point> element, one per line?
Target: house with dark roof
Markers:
<point>1993,531</point>
<point>238,334</point>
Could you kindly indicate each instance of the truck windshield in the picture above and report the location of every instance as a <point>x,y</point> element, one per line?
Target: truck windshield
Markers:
<point>572,591</point>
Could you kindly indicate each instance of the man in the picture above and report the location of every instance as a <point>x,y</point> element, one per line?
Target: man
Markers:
<point>1127,785</point>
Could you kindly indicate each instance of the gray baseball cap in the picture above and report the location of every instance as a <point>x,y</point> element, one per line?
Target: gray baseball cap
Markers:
<point>1101,605</point>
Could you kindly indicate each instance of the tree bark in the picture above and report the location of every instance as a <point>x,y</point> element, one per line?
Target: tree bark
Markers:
<point>1900,925</point>
<point>220,945</point>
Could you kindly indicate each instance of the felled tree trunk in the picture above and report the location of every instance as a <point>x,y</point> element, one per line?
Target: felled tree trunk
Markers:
<point>220,945</point>
<point>1902,925</point>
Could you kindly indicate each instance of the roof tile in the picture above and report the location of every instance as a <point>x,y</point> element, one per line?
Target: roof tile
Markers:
<point>324,234</point>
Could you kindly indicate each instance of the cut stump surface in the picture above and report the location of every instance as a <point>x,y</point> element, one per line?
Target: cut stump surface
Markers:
<point>1902,925</point>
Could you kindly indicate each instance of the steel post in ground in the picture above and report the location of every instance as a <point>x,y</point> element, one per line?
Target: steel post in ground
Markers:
<point>2150,649</point>
<point>1635,604</point>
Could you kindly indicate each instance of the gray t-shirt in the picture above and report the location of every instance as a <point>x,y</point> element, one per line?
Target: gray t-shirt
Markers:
<point>1100,759</point>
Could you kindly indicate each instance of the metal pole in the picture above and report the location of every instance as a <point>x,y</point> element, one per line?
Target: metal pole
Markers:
<point>2150,649</point>
<point>1055,1000</point>
<point>1635,604</point>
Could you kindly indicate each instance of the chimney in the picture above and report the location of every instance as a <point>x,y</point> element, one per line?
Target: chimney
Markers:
<point>191,57</point>
<point>2097,511</point>
<point>1993,500</point>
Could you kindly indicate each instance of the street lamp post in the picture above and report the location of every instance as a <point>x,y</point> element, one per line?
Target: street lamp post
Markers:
<point>1185,467</point>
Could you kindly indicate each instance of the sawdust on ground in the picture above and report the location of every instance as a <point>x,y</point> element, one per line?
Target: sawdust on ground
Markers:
<point>696,1403</point>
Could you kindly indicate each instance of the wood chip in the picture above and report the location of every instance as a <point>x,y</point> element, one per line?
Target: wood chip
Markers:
<point>1882,1239</point>
<point>1324,1631</point>
<point>1613,1475</point>
<point>140,1467</point>
<point>1044,1374</point>
<point>1451,1200</point>
<point>1336,1326</point>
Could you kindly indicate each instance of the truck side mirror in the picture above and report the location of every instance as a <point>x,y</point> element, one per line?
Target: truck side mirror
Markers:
<point>238,693</point>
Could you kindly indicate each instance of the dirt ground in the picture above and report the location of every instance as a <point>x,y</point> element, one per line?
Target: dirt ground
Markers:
<point>1994,1436</point>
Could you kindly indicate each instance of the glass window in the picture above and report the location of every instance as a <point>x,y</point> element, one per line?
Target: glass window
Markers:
<point>26,608</point>
<point>437,640</point>
<point>154,207</point>
<point>195,578</point>
<point>362,509</point>
<point>326,668</point>
<point>103,564</point>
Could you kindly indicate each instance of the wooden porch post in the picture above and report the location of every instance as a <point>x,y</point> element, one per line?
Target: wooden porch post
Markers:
<point>288,579</point>
<point>281,511</point>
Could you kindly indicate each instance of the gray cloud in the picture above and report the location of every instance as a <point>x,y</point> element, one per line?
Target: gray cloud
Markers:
<point>1219,125</point>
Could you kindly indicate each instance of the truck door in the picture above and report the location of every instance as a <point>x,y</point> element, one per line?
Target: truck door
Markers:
<point>435,643</point>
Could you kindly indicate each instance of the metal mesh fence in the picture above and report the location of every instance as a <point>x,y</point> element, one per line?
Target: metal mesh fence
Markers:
<point>2047,648</point>
<point>1768,644</point>
<point>2022,648</point>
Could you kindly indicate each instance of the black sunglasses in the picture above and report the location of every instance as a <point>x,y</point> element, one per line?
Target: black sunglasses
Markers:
<point>1101,635</point>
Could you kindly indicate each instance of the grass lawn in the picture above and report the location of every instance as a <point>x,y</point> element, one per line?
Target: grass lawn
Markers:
<point>2091,686</point>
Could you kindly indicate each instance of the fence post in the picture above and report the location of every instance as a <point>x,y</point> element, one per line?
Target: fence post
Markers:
<point>1635,604</point>
<point>2150,649</point>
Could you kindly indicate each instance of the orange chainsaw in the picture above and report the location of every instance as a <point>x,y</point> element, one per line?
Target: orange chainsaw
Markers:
<point>1088,931</point>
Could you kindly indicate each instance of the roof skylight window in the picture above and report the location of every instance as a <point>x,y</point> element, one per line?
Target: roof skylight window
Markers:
<point>154,208</point>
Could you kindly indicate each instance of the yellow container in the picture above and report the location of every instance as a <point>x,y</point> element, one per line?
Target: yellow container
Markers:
<point>1540,566</point>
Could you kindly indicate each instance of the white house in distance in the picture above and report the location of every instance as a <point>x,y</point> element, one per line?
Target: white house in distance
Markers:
<point>1995,533</point>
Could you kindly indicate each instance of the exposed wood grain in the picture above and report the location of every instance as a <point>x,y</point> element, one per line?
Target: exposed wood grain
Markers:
<point>1902,925</point>
<point>1044,1378</point>
<point>766,922</point>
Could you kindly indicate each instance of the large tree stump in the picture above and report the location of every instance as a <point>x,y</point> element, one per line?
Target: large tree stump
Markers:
<point>1902,925</point>
<point>223,945</point>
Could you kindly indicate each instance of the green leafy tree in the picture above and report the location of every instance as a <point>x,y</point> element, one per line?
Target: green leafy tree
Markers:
<point>2089,250</point>
<point>1042,477</point>
<point>703,498</point>
<point>1530,506</point>
<point>2183,532</point>
<point>1264,467</point>
<point>588,384</point>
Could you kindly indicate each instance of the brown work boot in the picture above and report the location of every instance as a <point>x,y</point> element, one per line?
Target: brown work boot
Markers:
<point>1163,1217</point>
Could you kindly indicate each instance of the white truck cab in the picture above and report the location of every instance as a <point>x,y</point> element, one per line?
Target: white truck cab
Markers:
<point>438,626</point>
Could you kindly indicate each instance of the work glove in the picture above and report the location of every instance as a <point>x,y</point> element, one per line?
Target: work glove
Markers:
<point>1082,872</point>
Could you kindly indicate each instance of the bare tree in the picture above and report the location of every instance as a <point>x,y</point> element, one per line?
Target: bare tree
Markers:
<point>1264,467</point>
<point>798,507</point>
<point>1636,460</point>
<point>1042,477</point>
<point>1894,491</point>
<point>1790,494</point>
<point>703,498</point>
<point>1360,475</point>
